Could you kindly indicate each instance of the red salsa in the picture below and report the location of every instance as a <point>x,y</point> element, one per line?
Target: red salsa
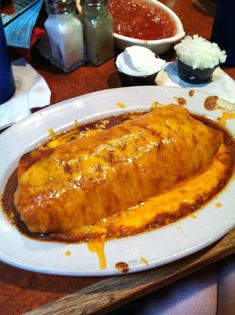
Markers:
<point>141,19</point>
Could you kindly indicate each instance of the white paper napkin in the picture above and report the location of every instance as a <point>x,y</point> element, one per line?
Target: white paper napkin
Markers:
<point>222,85</point>
<point>31,91</point>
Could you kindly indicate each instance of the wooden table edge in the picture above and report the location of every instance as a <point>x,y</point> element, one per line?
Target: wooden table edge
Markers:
<point>113,292</point>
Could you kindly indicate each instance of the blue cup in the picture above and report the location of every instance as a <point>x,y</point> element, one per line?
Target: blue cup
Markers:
<point>7,83</point>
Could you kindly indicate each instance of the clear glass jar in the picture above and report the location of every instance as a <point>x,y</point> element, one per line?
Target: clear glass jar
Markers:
<point>65,34</point>
<point>98,30</point>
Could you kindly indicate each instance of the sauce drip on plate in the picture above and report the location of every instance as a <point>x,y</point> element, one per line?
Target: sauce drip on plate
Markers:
<point>122,267</point>
<point>97,247</point>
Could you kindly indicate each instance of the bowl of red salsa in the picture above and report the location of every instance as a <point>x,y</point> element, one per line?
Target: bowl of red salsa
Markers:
<point>147,23</point>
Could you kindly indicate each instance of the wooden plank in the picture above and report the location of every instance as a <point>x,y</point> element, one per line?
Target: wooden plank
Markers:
<point>113,292</point>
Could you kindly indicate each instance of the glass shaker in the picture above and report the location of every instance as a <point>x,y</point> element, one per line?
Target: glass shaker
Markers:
<point>65,34</point>
<point>98,30</point>
<point>7,83</point>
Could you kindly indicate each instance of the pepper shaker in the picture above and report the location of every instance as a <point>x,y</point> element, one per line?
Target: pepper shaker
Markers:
<point>98,30</point>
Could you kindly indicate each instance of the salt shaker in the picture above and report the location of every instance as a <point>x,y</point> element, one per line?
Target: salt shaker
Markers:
<point>224,29</point>
<point>98,30</point>
<point>7,83</point>
<point>65,33</point>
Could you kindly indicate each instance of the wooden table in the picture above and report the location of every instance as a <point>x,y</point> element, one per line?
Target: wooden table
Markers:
<point>22,291</point>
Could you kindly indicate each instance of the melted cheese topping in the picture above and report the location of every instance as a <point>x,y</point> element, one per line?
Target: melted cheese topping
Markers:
<point>159,210</point>
<point>97,247</point>
<point>164,208</point>
<point>225,117</point>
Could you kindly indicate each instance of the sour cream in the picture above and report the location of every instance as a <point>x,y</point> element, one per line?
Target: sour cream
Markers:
<point>139,61</point>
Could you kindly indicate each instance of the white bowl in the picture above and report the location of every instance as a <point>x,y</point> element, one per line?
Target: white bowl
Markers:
<point>158,46</point>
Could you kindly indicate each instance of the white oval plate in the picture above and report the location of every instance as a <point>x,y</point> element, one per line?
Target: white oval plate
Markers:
<point>159,246</point>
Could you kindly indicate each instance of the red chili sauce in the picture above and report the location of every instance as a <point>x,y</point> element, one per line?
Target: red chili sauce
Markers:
<point>141,20</point>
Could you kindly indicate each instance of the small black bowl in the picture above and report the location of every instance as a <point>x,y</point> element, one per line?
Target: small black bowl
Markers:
<point>197,76</point>
<point>131,80</point>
